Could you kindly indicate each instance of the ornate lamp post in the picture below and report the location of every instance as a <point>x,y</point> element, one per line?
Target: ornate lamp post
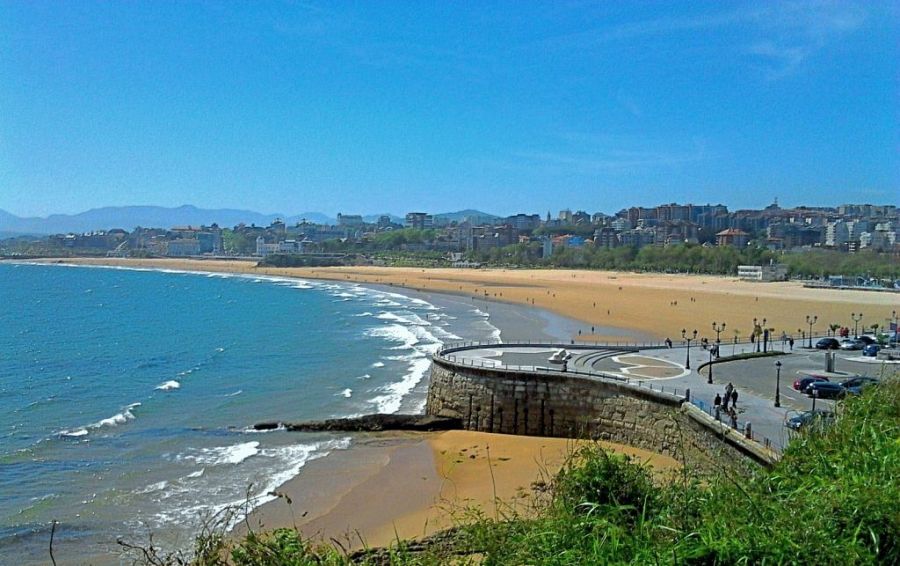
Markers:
<point>810,320</point>
<point>718,328</point>
<point>709,365</point>
<point>688,338</point>
<point>757,329</point>
<point>856,318</point>
<point>778,383</point>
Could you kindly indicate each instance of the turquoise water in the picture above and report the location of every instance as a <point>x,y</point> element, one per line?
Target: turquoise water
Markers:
<point>126,395</point>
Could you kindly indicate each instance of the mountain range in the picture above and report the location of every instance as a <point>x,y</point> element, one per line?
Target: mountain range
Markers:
<point>129,217</point>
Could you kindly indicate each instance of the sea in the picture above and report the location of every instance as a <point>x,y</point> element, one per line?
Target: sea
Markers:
<point>127,396</point>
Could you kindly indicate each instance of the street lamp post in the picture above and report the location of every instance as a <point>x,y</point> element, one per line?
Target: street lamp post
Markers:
<point>856,318</point>
<point>895,329</point>
<point>709,365</point>
<point>778,383</point>
<point>755,329</point>
<point>810,320</point>
<point>718,329</point>
<point>688,338</point>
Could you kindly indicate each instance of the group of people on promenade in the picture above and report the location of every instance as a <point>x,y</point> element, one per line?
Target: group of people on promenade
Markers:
<point>721,404</point>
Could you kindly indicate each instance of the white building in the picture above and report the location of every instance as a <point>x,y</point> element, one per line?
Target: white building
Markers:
<point>777,272</point>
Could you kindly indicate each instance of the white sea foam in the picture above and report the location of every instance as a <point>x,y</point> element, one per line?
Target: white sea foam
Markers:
<point>234,454</point>
<point>196,474</point>
<point>392,394</point>
<point>364,376</point>
<point>377,365</point>
<point>395,333</point>
<point>74,433</point>
<point>158,486</point>
<point>115,420</point>
<point>346,393</point>
<point>168,386</point>
<point>367,313</point>
<point>279,464</point>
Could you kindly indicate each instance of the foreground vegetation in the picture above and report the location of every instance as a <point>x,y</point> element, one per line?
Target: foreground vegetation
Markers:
<point>833,499</point>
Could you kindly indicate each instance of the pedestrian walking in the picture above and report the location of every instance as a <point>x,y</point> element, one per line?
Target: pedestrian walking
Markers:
<point>717,402</point>
<point>733,414</point>
<point>734,397</point>
<point>791,343</point>
<point>728,389</point>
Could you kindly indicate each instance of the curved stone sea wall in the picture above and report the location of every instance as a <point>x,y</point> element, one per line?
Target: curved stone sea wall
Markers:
<point>513,401</point>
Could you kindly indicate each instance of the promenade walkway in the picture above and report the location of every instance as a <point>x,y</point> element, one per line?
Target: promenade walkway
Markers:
<point>664,369</point>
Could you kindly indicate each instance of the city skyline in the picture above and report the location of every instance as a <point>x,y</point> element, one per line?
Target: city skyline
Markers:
<point>282,107</point>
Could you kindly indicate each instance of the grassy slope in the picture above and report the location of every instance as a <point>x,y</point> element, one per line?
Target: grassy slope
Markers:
<point>834,499</point>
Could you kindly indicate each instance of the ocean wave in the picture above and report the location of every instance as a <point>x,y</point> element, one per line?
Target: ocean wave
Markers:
<point>409,319</point>
<point>168,386</point>
<point>346,393</point>
<point>158,486</point>
<point>395,333</point>
<point>234,454</point>
<point>187,501</point>
<point>196,474</point>
<point>392,394</point>
<point>367,313</point>
<point>119,418</point>
<point>377,365</point>
<point>363,376</point>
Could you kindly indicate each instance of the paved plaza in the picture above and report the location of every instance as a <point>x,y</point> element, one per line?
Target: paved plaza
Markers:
<point>755,379</point>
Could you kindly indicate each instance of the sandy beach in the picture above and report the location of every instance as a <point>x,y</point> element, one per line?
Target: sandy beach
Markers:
<point>410,486</point>
<point>392,486</point>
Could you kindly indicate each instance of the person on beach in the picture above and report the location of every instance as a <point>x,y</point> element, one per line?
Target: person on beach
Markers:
<point>734,397</point>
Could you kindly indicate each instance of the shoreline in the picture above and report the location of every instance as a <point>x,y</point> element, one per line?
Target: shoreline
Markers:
<point>651,306</point>
<point>342,496</point>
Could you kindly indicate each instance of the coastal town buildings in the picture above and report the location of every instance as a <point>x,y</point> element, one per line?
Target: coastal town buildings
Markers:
<point>848,228</point>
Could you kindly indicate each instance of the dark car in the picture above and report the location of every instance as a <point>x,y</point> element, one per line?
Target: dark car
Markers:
<point>871,350</point>
<point>803,382</point>
<point>867,339</point>
<point>808,418</point>
<point>853,344</point>
<point>828,344</point>
<point>855,385</point>
<point>825,390</point>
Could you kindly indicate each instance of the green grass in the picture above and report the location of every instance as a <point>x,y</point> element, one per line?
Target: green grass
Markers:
<point>834,499</point>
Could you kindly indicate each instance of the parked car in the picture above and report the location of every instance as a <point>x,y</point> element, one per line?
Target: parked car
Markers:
<point>808,418</point>
<point>801,383</point>
<point>855,385</point>
<point>871,350</point>
<point>828,344</point>
<point>825,390</point>
<point>853,344</point>
<point>869,340</point>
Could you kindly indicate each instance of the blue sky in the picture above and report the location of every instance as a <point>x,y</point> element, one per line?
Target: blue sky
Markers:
<point>396,106</point>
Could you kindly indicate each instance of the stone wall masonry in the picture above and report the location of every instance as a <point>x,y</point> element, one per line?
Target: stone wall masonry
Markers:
<point>556,404</point>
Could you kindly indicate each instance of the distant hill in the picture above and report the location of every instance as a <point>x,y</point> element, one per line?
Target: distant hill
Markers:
<point>464,214</point>
<point>128,217</point>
